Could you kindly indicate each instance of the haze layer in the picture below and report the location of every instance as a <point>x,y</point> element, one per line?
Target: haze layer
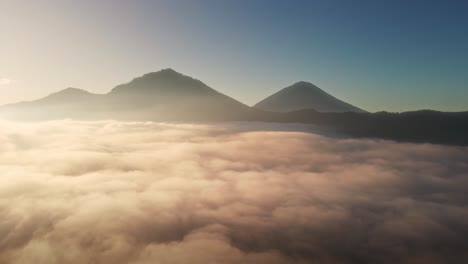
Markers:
<point>143,192</point>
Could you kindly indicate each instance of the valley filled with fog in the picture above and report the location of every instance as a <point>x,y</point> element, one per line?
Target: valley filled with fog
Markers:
<point>146,192</point>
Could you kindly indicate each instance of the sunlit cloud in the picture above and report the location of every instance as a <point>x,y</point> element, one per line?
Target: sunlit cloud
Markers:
<point>114,192</point>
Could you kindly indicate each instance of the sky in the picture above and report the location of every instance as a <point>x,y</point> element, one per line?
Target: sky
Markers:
<point>378,55</point>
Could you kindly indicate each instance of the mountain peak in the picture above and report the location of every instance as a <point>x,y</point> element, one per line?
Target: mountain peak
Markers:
<point>303,85</point>
<point>166,81</point>
<point>67,93</point>
<point>304,95</point>
<point>70,90</point>
<point>168,72</point>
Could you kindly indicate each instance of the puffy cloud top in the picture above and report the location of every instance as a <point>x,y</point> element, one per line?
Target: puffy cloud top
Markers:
<point>113,192</point>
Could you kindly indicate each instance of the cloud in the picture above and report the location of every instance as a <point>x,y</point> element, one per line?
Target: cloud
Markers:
<point>142,192</point>
<point>5,81</point>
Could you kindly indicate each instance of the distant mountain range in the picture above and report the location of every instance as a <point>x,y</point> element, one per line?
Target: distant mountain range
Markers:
<point>170,96</point>
<point>165,95</point>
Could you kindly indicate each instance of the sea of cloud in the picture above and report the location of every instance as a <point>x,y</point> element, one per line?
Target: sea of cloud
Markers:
<point>142,192</point>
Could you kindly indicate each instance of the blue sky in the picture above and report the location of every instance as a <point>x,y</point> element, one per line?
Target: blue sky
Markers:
<point>378,55</point>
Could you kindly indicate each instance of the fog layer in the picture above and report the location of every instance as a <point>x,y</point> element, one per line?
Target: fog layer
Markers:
<point>113,192</point>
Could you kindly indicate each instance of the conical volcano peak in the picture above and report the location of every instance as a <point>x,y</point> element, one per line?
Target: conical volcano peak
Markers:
<point>304,95</point>
<point>302,85</point>
<point>72,90</point>
<point>168,72</point>
<point>163,81</point>
<point>68,93</point>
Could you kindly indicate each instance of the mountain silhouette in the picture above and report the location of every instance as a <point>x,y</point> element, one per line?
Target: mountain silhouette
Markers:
<point>165,82</point>
<point>167,95</point>
<point>170,95</point>
<point>76,93</point>
<point>162,95</point>
<point>304,95</point>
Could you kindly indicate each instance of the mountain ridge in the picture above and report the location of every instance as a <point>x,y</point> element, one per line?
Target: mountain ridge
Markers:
<point>149,98</point>
<point>162,95</point>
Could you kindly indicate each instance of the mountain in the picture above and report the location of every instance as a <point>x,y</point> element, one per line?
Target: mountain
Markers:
<point>159,96</point>
<point>67,103</point>
<point>171,96</point>
<point>304,95</point>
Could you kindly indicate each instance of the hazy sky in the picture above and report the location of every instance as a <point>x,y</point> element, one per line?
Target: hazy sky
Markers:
<point>378,55</point>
